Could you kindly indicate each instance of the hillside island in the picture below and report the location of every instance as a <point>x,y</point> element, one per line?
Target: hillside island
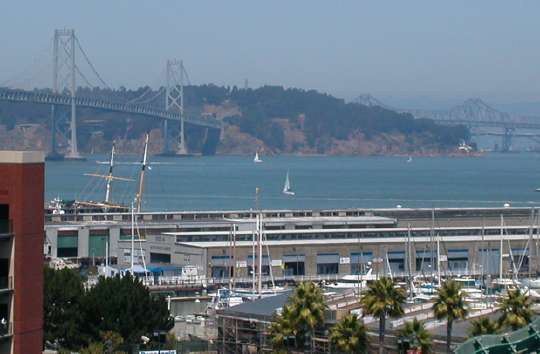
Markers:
<point>271,119</point>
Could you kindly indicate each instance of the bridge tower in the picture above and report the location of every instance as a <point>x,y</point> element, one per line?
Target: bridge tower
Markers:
<point>64,77</point>
<point>174,102</point>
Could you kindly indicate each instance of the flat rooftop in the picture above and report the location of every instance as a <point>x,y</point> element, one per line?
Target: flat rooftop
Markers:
<point>352,241</point>
<point>324,219</point>
<point>18,157</point>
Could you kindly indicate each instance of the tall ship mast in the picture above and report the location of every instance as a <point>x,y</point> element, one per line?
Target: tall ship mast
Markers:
<point>144,164</point>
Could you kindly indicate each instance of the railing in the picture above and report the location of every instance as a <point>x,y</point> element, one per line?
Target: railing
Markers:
<point>171,281</point>
<point>6,328</point>
<point>6,283</point>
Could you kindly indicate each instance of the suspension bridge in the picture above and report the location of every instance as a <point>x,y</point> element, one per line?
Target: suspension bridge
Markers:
<point>66,49</point>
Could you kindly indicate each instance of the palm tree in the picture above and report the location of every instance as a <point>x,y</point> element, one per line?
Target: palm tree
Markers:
<point>516,310</point>
<point>282,330</point>
<point>302,314</point>
<point>483,325</point>
<point>417,335</point>
<point>349,335</point>
<point>450,304</point>
<point>382,300</point>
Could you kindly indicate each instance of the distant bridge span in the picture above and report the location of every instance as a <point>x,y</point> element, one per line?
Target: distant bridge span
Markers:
<point>486,123</point>
<point>63,100</point>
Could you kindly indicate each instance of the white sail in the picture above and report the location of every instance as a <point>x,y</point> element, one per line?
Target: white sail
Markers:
<point>287,186</point>
<point>257,158</point>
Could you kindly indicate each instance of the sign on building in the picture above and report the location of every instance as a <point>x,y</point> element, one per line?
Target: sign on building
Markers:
<point>277,262</point>
<point>344,260</point>
<point>241,264</point>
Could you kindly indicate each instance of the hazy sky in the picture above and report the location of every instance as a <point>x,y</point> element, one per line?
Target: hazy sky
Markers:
<point>397,50</point>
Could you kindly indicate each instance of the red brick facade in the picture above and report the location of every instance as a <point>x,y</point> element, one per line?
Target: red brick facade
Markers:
<point>22,188</point>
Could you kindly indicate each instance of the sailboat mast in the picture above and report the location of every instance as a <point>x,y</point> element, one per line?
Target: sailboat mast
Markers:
<point>409,260</point>
<point>438,261</point>
<point>432,238</point>
<point>110,177</point>
<point>259,247</point>
<point>132,236</point>
<point>141,176</point>
<point>501,249</point>
<point>234,256</point>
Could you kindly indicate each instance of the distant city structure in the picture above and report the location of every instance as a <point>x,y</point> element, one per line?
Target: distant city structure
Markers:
<point>475,114</point>
<point>21,251</point>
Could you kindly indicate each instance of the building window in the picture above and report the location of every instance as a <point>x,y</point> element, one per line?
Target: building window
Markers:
<point>396,261</point>
<point>221,272</point>
<point>327,263</point>
<point>4,218</point>
<point>360,262</point>
<point>488,261</point>
<point>520,260</point>
<point>160,258</point>
<point>293,265</point>
<point>67,246</point>
<point>458,260</point>
<point>265,269</point>
<point>97,245</point>
<point>426,261</point>
<point>4,273</point>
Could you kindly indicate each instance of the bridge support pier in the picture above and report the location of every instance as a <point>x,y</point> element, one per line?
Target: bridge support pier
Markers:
<point>53,155</point>
<point>182,146</point>
<point>507,140</point>
<point>73,153</point>
<point>165,151</point>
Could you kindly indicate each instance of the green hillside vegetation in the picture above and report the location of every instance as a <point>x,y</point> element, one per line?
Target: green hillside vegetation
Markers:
<point>320,118</point>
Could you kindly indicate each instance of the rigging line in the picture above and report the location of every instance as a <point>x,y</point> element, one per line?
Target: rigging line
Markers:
<point>91,65</point>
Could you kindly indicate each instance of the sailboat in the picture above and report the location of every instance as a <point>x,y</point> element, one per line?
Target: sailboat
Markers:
<point>409,160</point>
<point>107,204</point>
<point>287,186</point>
<point>257,159</point>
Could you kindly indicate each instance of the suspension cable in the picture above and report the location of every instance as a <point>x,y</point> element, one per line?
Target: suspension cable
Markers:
<point>90,63</point>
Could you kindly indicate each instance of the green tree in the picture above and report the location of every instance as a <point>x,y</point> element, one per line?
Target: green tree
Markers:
<point>516,310</point>
<point>110,343</point>
<point>63,294</point>
<point>415,333</point>
<point>124,306</point>
<point>383,300</point>
<point>450,305</point>
<point>349,335</point>
<point>483,325</point>
<point>303,313</point>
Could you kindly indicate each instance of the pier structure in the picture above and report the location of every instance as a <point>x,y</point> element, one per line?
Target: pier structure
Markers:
<point>308,244</point>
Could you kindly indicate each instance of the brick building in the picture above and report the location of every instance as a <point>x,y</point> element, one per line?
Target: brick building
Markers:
<point>21,252</point>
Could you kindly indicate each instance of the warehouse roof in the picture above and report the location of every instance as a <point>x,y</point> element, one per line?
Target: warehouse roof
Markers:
<point>262,309</point>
